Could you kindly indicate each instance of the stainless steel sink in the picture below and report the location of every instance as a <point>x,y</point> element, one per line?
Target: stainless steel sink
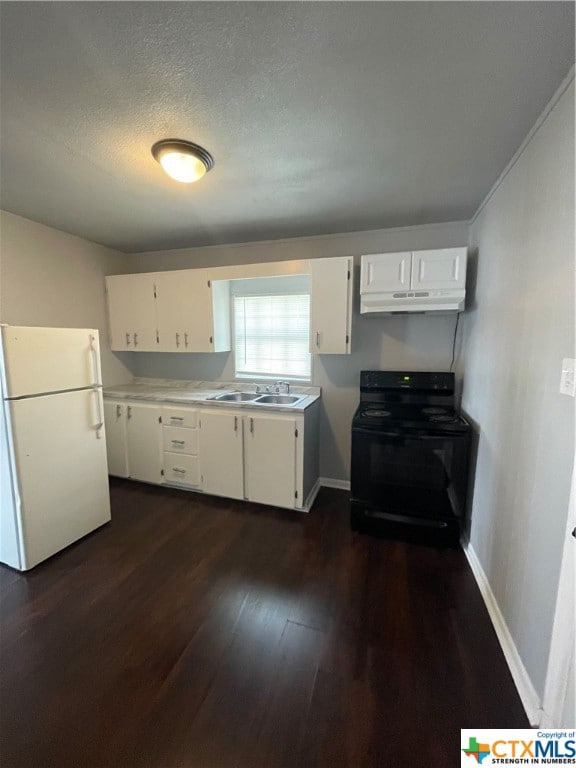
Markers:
<point>279,399</point>
<point>234,397</point>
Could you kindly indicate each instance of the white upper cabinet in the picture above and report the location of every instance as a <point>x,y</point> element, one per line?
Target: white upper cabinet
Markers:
<point>193,312</point>
<point>437,270</point>
<point>331,305</point>
<point>442,269</point>
<point>180,311</point>
<point>385,272</point>
<point>413,281</point>
<point>132,312</point>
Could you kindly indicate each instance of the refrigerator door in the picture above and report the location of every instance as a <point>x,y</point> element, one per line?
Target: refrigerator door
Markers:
<point>60,460</point>
<point>40,360</point>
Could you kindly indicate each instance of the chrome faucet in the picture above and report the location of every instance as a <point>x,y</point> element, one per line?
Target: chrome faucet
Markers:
<point>283,386</point>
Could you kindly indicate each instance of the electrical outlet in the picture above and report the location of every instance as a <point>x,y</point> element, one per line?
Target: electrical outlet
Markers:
<point>568,377</point>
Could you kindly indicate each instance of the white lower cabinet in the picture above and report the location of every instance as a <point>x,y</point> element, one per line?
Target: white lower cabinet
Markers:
<point>181,469</point>
<point>180,444</point>
<point>270,445</point>
<point>265,457</point>
<point>115,421</point>
<point>249,453</point>
<point>221,453</point>
<point>133,440</point>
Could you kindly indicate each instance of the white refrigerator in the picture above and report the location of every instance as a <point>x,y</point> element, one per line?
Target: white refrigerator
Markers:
<point>53,470</point>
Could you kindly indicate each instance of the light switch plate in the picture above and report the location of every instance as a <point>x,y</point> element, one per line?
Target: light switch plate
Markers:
<point>568,377</point>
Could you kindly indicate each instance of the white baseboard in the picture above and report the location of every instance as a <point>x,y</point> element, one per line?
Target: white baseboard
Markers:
<point>311,497</point>
<point>527,692</point>
<point>332,482</point>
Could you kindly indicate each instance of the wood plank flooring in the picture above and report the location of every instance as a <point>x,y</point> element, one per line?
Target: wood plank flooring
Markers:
<point>197,632</point>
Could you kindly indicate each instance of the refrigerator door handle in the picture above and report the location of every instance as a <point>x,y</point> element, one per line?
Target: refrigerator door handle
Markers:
<point>95,361</point>
<point>100,423</point>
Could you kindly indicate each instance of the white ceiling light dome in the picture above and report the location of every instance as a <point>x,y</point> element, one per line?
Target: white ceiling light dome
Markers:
<point>182,160</point>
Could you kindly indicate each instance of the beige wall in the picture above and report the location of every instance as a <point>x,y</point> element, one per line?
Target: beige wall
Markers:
<point>417,342</point>
<point>50,278</point>
<point>519,329</point>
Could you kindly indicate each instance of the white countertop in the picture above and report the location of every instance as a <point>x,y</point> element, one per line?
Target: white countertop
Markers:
<point>198,392</point>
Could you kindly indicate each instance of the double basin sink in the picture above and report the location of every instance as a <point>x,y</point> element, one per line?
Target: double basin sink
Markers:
<point>248,397</point>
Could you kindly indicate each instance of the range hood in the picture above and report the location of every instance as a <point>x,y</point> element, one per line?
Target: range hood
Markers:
<point>413,281</point>
<point>395,302</point>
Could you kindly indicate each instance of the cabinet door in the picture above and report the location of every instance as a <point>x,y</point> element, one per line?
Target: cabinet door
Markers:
<point>330,306</point>
<point>144,442</point>
<point>198,318</point>
<point>184,311</point>
<point>193,312</point>
<point>437,270</point>
<point>132,312</point>
<point>270,460</point>
<point>116,448</point>
<point>381,272</point>
<point>221,454</point>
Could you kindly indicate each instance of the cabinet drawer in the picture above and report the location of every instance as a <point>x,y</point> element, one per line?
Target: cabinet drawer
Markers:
<point>180,440</point>
<point>180,417</point>
<point>183,470</point>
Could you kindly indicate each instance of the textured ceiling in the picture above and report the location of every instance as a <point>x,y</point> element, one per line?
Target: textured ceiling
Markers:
<point>322,117</point>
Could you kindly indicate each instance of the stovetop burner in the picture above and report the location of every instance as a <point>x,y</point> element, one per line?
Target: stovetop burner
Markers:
<point>376,413</point>
<point>443,418</point>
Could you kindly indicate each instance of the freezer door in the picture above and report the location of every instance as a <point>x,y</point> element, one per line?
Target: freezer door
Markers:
<point>60,457</point>
<point>39,360</point>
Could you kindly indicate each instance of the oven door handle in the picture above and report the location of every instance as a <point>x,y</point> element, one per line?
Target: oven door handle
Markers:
<point>412,435</point>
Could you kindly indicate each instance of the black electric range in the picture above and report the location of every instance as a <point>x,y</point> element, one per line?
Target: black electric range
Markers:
<point>410,452</point>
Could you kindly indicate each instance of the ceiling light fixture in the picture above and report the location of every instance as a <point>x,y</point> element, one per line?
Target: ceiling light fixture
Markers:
<point>182,160</point>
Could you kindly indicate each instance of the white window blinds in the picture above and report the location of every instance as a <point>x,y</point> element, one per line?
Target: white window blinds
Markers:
<point>271,335</point>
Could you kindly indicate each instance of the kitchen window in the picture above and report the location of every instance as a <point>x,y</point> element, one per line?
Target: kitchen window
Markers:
<point>272,327</point>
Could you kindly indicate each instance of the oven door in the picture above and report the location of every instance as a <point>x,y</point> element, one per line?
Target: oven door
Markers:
<point>408,472</point>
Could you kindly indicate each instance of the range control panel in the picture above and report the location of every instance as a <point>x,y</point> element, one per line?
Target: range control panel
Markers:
<point>424,381</point>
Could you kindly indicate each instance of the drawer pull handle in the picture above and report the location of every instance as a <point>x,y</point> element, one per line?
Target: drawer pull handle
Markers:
<point>179,471</point>
<point>235,423</point>
<point>135,339</point>
<point>177,442</point>
<point>186,340</point>
<point>129,411</point>
<point>251,425</point>
<point>127,339</point>
<point>118,411</point>
<point>176,418</point>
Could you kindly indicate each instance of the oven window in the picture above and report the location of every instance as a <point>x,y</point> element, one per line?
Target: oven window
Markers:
<point>410,462</point>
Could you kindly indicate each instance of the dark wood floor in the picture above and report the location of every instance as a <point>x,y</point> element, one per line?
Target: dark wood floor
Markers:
<point>200,632</point>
